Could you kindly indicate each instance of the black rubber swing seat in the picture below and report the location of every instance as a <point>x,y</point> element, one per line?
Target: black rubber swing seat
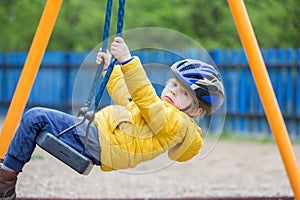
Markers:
<point>64,153</point>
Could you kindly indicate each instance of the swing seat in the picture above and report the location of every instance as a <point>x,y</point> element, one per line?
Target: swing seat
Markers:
<point>64,153</point>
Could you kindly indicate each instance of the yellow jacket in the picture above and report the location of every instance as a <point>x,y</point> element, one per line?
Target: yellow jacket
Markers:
<point>131,132</point>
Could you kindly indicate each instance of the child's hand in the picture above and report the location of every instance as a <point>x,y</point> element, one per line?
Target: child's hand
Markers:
<point>102,56</point>
<point>119,50</point>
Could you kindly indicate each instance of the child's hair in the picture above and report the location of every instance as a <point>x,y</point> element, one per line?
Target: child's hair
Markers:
<point>202,81</point>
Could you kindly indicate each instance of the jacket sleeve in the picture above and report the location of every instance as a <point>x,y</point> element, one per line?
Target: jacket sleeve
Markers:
<point>140,88</point>
<point>117,88</point>
<point>188,148</point>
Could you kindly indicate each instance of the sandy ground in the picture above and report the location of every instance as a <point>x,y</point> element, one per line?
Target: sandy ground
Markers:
<point>234,168</point>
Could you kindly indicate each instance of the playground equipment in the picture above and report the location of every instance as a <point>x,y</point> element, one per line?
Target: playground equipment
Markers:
<point>29,73</point>
<point>54,145</point>
<point>266,92</point>
<point>255,60</point>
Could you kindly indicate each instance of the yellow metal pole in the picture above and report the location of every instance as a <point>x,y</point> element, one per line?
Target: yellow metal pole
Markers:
<point>29,72</point>
<point>266,92</point>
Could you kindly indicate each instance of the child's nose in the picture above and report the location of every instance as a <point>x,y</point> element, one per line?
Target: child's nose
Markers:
<point>173,92</point>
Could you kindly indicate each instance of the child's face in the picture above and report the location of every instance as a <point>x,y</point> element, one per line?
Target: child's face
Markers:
<point>176,95</point>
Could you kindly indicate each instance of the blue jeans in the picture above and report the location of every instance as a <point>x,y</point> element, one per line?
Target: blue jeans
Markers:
<point>40,119</point>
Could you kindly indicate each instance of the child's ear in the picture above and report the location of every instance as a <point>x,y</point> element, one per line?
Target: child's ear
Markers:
<point>200,111</point>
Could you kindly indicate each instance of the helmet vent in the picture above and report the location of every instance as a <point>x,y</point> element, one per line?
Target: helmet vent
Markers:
<point>180,64</point>
<point>188,67</point>
<point>194,76</point>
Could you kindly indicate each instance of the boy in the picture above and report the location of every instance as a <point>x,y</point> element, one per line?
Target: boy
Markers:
<point>139,127</point>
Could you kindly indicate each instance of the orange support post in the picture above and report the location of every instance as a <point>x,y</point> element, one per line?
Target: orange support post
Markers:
<point>266,92</point>
<point>29,72</point>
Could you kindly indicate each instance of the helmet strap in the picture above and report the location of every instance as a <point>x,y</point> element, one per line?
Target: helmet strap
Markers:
<point>187,108</point>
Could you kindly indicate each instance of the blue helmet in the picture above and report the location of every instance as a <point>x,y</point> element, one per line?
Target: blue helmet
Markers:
<point>203,82</point>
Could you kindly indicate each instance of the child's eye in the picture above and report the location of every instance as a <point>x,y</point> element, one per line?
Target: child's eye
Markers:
<point>186,94</point>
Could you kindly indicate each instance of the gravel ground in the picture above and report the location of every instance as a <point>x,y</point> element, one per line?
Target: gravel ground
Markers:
<point>234,168</point>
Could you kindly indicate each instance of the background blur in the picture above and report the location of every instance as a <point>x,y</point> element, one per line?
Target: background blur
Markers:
<point>79,29</point>
<point>275,22</point>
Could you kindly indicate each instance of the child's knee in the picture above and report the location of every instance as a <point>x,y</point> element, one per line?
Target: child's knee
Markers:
<point>33,114</point>
<point>33,111</point>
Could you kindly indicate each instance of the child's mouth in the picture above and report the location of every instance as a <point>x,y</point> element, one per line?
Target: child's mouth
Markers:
<point>169,99</point>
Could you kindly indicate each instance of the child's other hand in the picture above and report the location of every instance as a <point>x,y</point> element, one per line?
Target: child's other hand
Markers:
<point>102,56</point>
<point>119,50</point>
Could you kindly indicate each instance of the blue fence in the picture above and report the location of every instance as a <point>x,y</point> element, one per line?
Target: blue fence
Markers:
<point>64,79</point>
